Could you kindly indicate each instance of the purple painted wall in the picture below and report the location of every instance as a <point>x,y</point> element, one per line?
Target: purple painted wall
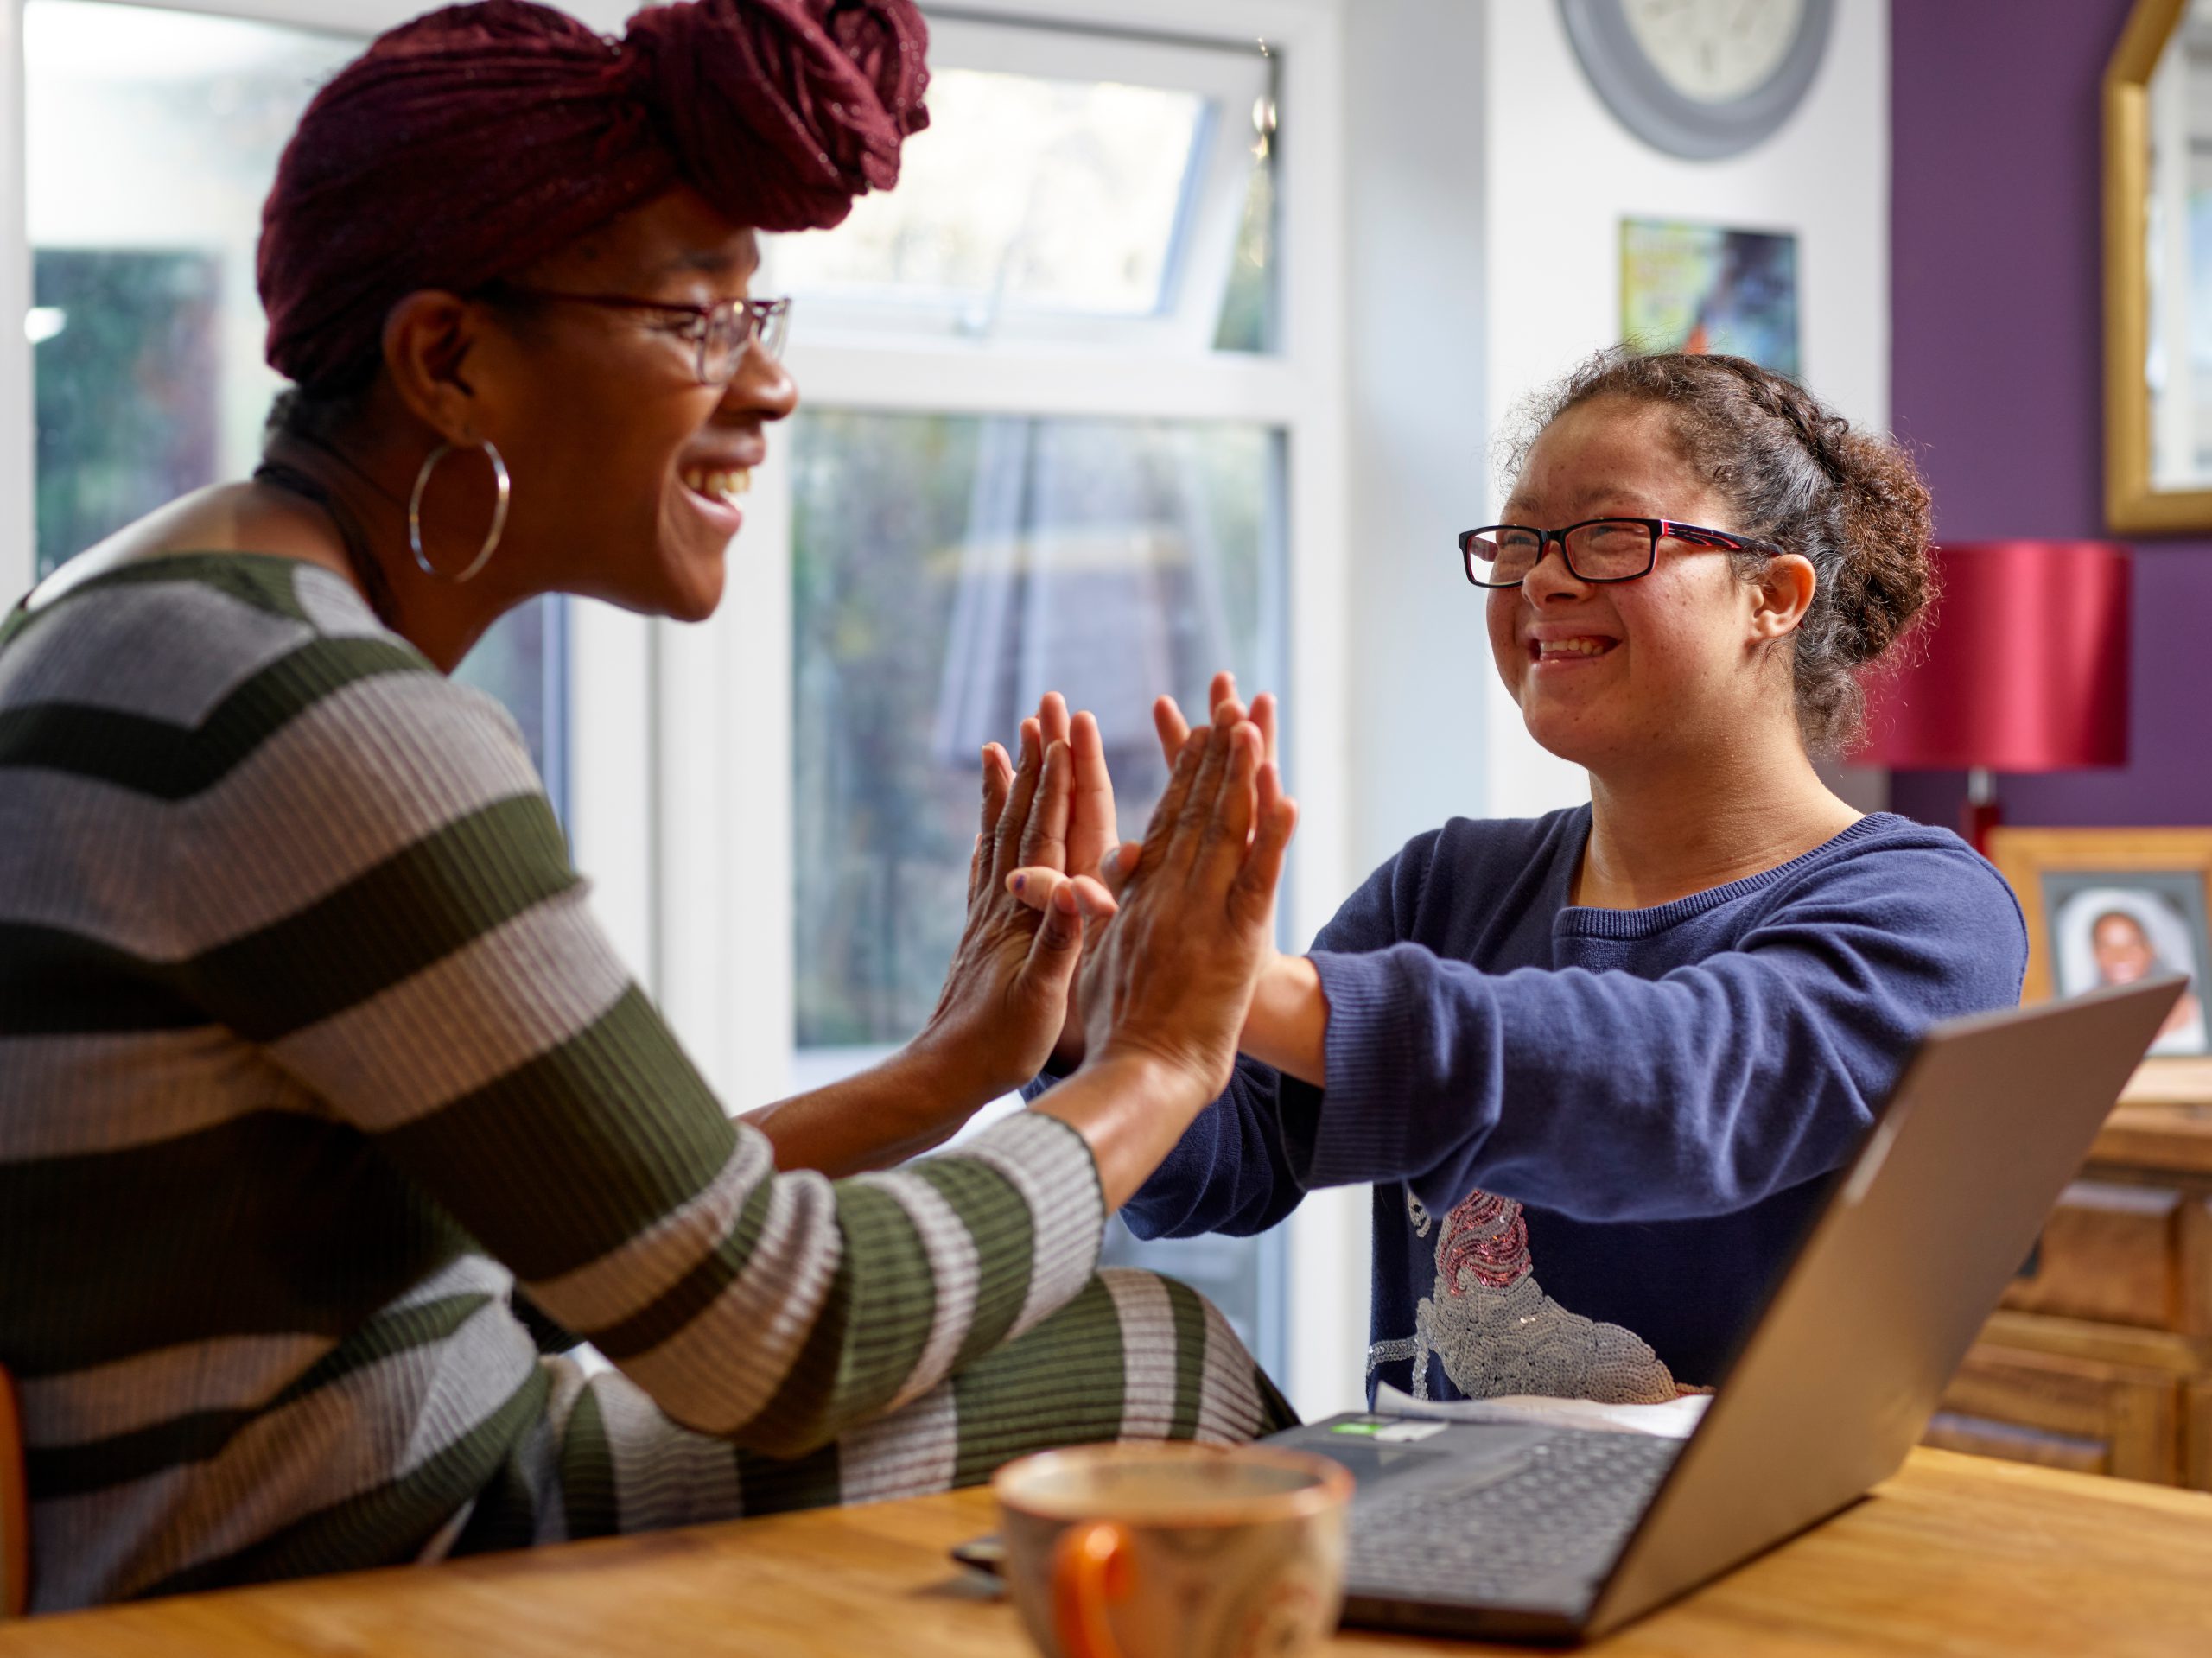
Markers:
<point>1996,363</point>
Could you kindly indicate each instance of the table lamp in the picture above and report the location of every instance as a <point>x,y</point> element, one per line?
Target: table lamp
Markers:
<point>2022,668</point>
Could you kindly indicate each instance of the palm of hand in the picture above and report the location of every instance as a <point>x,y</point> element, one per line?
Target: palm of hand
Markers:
<point>1173,974</point>
<point>1006,992</point>
<point>989,999</point>
<point>1091,846</point>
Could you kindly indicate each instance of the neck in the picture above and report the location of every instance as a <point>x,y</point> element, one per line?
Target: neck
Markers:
<point>1661,832</point>
<point>363,490</point>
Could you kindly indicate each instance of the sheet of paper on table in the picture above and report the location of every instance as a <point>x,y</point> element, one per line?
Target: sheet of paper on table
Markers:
<point>1674,1419</point>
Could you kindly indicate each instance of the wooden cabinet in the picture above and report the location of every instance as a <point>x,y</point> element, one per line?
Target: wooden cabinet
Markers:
<point>2069,1394</point>
<point>2100,1359</point>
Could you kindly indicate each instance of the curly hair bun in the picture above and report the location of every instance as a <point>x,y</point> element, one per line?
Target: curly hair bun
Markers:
<point>1889,581</point>
<point>475,140</point>
<point>1796,472</point>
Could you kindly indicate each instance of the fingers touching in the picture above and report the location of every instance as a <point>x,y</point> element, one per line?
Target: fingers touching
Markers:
<point>1053,816</point>
<point>1263,715</point>
<point>1227,831</point>
<point>1160,833</point>
<point>1252,896</point>
<point>1093,829</point>
<point>1057,947</point>
<point>1013,819</point>
<point>1045,840</point>
<point>1119,866</point>
<point>1172,729</point>
<point>998,782</point>
<point>1197,820</point>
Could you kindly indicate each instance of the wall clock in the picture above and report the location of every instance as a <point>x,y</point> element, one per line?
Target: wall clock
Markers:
<point>1700,78</point>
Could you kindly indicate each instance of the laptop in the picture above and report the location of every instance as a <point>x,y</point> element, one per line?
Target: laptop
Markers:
<point>1557,1534</point>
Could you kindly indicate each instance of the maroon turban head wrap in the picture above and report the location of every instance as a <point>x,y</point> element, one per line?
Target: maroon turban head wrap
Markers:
<point>473,141</point>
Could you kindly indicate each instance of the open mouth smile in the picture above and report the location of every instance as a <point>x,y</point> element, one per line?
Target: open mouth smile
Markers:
<point>1582,647</point>
<point>724,487</point>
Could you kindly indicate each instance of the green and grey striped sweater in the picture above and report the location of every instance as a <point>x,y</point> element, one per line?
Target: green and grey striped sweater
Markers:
<point>309,1048</point>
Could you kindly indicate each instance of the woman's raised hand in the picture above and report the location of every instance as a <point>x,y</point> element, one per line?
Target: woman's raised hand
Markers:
<point>1006,995</point>
<point>1174,730</point>
<point>1092,835</point>
<point>1169,979</point>
<point>1222,704</point>
<point>1093,849</point>
<point>1092,831</point>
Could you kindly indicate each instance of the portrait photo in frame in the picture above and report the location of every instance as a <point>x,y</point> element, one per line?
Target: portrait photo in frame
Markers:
<point>2112,906</point>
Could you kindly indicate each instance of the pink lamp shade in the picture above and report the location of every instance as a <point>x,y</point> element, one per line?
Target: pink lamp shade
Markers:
<point>2023,669</point>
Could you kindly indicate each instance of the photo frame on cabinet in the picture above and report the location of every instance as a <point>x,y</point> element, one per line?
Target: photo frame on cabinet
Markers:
<point>2107,906</point>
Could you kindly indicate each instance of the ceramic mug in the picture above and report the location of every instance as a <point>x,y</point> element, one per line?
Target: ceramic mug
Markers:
<point>1175,1551</point>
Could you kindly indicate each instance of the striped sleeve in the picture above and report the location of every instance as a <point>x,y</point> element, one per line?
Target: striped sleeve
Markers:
<point>382,899</point>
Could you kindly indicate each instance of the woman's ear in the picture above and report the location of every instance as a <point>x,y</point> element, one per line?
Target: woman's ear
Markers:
<point>427,340</point>
<point>1782,595</point>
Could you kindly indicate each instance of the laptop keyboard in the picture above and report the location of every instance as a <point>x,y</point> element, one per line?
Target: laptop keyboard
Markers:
<point>1565,1507</point>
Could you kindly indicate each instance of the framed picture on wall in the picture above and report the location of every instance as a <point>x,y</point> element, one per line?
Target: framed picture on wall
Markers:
<point>1704,287</point>
<point>2113,906</point>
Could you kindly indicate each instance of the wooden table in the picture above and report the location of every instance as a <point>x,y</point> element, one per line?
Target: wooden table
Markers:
<point>1957,1555</point>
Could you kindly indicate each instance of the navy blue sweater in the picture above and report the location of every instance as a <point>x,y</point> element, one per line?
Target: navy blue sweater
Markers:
<point>1594,1135</point>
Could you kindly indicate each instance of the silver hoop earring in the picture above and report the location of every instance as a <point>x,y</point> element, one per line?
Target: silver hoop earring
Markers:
<point>499,513</point>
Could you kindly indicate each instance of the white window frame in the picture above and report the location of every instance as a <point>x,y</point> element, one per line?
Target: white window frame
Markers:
<point>1298,391</point>
<point>1232,74</point>
<point>680,779</point>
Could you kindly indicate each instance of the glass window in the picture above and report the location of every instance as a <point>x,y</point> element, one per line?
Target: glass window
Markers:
<point>1066,187</point>
<point>1074,191</point>
<point>947,571</point>
<point>1022,191</point>
<point>1248,312</point>
<point>524,662</point>
<point>151,138</point>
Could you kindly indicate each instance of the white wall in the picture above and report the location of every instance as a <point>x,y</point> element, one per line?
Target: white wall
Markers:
<point>1558,175</point>
<point>1415,382</point>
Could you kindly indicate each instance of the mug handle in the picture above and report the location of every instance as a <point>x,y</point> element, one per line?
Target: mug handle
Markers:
<point>1091,1567</point>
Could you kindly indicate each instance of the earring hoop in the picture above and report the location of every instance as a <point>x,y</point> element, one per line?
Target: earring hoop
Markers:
<point>499,513</point>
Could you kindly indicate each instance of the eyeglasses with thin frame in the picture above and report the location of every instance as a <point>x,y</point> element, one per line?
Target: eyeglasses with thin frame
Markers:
<point>1597,550</point>
<point>722,331</point>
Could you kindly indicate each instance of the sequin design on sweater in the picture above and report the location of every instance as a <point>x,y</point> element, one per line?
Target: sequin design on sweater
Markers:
<point>1497,1332</point>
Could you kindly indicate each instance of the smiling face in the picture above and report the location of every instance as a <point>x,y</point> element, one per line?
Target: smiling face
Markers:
<point>627,472</point>
<point>2122,950</point>
<point>1612,674</point>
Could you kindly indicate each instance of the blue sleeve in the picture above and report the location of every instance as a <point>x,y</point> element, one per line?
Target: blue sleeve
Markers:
<point>1609,1096</point>
<point>1235,1168</point>
<point>1229,1172</point>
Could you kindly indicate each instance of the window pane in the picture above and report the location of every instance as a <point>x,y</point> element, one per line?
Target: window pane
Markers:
<point>126,372</point>
<point>1248,308</point>
<point>1071,187</point>
<point>151,140</point>
<point>524,661</point>
<point>1022,190</point>
<point>949,570</point>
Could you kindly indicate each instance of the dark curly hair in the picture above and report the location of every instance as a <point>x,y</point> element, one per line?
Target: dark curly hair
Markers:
<point>1797,473</point>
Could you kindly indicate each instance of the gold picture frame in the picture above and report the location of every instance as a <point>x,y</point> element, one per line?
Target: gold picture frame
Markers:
<point>2098,901</point>
<point>2131,506</point>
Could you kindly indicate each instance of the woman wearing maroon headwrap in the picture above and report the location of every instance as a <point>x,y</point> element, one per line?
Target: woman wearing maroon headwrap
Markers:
<point>309,1049</point>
